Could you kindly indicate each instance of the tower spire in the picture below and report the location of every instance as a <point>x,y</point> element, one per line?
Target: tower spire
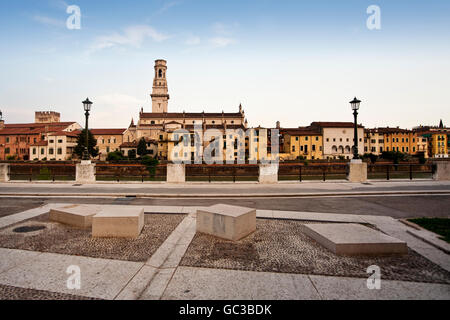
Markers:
<point>160,92</point>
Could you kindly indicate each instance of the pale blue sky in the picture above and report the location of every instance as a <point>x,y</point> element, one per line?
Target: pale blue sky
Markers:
<point>293,61</point>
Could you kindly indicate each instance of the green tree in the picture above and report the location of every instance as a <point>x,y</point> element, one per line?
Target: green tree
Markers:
<point>150,163</point>
<point>132,154</point>
<point>142,147</point>
<point>81,143</point>
<point>114,156</point>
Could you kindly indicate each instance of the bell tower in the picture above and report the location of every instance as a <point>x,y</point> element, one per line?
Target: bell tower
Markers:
<point>160,93</point>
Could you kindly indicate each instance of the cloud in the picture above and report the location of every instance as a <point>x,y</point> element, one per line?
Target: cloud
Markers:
<point>221,41</point>
<point>109,105</point>
<point>224,29</point>
<point>132,36</point>
<point>49,21</point>
<point>167,6</point>
<point>192,41</point>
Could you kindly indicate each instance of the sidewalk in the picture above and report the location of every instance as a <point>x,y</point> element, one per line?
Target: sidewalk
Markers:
<point>162,277</point>
<point>233,190</point>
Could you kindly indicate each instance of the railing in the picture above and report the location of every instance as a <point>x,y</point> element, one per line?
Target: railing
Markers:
<point>400,171</point>
<point>219,172</point>
<point>45,172</point>
<point>300,172</point>
<point>130,172</point>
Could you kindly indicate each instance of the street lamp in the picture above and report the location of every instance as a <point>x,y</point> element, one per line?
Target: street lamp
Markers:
<point>87,107</point>
<point>355,107</point>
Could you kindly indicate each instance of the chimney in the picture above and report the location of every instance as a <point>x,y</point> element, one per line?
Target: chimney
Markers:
<point>278,125</point>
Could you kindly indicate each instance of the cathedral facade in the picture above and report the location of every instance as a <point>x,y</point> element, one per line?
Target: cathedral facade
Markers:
<point>156,126</point>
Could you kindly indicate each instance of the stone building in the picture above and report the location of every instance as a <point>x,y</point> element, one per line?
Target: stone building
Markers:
<point>16,139</point>
<point>154,126</point>
<point>108,140</point>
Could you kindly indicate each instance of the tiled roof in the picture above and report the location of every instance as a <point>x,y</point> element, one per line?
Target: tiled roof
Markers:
<point>302,131</point>
<point>335,124</point>
<point>107,131</point>
<point>129,145</point>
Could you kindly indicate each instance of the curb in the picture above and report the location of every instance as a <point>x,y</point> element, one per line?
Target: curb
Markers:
<point>221,195</point>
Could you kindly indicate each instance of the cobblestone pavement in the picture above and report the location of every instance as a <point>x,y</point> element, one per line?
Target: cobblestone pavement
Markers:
<point>281,246</point>
<point>58,238</point>
<point>16,293</point>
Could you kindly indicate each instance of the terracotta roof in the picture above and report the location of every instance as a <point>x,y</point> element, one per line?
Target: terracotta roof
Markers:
<point>107,131</point>
<point>393,130</point>
<point>302,131</point>
<point>197,115</point>
<point>39,125</point>
<point>66,133</point>
<point>334,124</point>
<point>129,145</point>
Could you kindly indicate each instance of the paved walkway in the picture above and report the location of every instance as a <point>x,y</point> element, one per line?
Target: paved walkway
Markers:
<point>217,190</point>
<point>161,277</point>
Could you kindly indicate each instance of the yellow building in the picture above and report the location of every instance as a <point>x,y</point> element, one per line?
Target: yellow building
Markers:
<point>108,140</point>
<point>302,142</point>
<point>438,143</point>
<point>394,139</point>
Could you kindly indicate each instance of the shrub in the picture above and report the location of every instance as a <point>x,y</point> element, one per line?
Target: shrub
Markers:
<point>115,156</point>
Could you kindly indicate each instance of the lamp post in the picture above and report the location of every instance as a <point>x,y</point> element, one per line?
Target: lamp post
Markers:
<point>355,107</point>
<point>87,107</point>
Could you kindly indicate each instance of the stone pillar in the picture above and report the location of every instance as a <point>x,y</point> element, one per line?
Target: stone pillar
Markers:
<point>85,172</point>
<point>442,170</point>
<point>268,173</point>
<point>4,172</point>
<point>176,173</point>
<point>357,171</point>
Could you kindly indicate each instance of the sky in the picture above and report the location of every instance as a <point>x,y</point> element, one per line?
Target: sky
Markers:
<point>291,61</point>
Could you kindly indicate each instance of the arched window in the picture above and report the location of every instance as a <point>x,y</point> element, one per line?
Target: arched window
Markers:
<point>160,73</point>
<point>334,149</point>
<point>341,149</point>
<point>347,149</point>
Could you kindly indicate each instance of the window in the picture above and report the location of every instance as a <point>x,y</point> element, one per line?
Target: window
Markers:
<point>293,148</point>
<point>328,140</point>
<point>59,151</point>
<point>107,149</point>
<point>42,150</point>
<point>7,139</point>
<point>51,141</point>
<point>152,122</point>
<point>34,150</point>
<point>317,139</point>
<point>296,138</point>
<point>6,150</point>
<point>313,147</point>
<point>306,138</point>
<point>50,151</point>
<point>60,141</point>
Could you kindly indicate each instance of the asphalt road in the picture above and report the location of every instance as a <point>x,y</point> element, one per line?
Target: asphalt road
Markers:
<point>398,206</point>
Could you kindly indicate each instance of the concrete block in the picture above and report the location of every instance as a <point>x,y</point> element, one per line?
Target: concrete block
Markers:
<point>227,222</point>
<point>118,222</point>
<point>4,172</point>
<point>75,215</point>
<point>354,239</point>
<point>268,173</point>
<point>176,173</point>
<point>442,170</point>
<point>357,171</point>
<point>85,172</point>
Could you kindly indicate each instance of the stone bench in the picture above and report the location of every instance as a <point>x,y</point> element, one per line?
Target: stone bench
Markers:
<point>226,221</point>
<point>75,215</point>
<point>118,222</point>
<point>354,239</point>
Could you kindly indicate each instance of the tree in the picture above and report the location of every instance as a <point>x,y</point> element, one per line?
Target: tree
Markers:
<point>142,147</point>
<point>132,154</point>
<point>81,143</point>
<point>114,156</point>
